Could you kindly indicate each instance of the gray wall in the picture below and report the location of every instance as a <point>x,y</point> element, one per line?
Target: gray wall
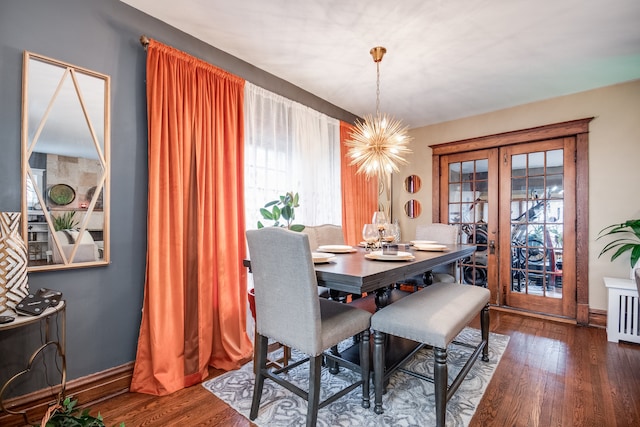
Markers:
<point>103,304</point>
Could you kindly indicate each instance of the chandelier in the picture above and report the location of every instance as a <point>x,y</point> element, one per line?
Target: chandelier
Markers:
<point>378,144</point>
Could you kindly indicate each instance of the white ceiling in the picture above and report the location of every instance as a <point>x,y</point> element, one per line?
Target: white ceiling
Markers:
<point>446,59</point>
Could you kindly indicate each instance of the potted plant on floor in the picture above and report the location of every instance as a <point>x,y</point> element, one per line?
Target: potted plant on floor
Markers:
<point>65,414</point>
<point>627,239</point>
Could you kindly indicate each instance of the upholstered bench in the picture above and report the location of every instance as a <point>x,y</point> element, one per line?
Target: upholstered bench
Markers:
<point>433,316</point>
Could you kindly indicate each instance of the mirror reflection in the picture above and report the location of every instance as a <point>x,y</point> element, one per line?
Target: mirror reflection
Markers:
<point>412,184</point>
<point>65,139</point>
<point>412,208</point>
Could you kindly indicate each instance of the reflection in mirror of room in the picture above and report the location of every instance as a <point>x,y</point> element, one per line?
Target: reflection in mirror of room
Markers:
<point>412,184</point>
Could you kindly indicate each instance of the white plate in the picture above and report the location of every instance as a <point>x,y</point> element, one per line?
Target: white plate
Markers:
<point>321,258</point>
<point>423,242</point>
<point>401,256</point>
<point>336,249</point>
<point>435,248</point>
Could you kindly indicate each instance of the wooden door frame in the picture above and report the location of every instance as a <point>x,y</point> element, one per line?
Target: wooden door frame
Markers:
<point>576,128</point>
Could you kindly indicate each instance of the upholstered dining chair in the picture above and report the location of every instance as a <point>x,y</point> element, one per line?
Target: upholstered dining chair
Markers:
<point>289,311</point>
<point>445,234</point>
<point>326,234</point>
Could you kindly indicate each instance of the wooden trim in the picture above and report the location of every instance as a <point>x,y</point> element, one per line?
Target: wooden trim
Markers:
<point>582,226</point>
<point>598,318</point>
<point>88,390</point>
<point>574,128</point>
<point>540,133</point>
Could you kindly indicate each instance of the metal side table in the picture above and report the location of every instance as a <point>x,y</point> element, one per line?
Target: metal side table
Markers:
<point>50,315</point>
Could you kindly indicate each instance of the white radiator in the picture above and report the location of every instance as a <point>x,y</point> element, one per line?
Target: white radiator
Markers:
<point>623,316</point>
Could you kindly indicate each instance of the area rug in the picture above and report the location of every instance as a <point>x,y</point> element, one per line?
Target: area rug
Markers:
<point>408,401</point>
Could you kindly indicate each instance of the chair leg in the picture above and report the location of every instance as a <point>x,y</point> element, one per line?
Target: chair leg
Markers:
<point>261,344</point>
<point>484,327</point>
<point>364,367</point>
<point>313,401</point>
<point>378,370</point>
<point>440,382</point>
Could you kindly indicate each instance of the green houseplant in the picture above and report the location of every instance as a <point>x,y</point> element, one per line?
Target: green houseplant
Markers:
<point>66,414</point>
<point>627,239</point>
<point>282,209</point>
<point>65,221</point>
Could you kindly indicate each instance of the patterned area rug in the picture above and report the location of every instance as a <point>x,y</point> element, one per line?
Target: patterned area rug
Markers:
<point>408,401</point>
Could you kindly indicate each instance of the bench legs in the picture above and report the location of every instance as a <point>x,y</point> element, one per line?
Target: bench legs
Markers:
<point>440,384</point>
<point>440,376</point>
<point>484,327</point>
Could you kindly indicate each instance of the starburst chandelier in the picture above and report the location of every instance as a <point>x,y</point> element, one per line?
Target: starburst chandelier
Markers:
<point>378,144</point>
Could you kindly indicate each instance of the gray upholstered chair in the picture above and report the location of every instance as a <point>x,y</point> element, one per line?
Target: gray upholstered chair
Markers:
<point>289,311</point>
<point>444,234</point>
<point>326,234</point>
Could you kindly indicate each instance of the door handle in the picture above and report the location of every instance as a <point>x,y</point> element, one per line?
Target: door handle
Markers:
<point>492,247</point>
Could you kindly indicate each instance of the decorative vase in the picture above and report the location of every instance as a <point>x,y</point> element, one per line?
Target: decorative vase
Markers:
<point>13,262</point>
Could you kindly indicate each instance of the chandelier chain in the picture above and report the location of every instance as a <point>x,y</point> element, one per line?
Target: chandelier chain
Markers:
<point>378,88</point>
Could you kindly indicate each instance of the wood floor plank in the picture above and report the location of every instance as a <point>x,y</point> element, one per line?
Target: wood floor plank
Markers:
<point>551,374</point>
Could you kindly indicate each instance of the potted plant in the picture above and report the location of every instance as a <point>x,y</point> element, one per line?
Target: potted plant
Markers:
<point>66,414</point>
<point>283,208</point>
<point>66,221</point>
<point>627,239</point>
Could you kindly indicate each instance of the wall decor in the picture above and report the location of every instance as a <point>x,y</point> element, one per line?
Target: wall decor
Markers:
<point>65,164</point>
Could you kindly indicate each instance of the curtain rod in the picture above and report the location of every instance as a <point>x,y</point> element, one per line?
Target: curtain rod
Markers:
<point>144,41</point>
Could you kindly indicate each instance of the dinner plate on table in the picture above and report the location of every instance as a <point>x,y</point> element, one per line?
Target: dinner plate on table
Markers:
<point>322,258</point>
<point>423,242</point>
<point>400,256</point>
<point>430,247</point>
<point>336,249</point>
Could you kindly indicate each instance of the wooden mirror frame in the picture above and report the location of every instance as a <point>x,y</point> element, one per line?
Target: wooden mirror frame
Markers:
<point>65,164</point>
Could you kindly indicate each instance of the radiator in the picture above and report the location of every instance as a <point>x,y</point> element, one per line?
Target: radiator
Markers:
<point>623,315</point>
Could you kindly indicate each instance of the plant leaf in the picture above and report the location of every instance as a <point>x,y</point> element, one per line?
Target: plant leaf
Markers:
<point>297,227</point>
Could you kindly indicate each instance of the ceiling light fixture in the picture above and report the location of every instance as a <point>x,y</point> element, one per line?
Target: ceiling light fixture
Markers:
<point>378,144</point>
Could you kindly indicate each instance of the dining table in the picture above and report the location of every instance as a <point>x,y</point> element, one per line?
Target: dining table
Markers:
<point>356,274</point>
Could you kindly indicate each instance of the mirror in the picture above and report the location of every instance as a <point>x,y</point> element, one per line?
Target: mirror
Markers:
<point>65,164</point>
<point>412,184</point>
<point>413,208</point>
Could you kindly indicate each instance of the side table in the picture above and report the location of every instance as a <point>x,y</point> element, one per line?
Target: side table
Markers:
<point>59,343</point>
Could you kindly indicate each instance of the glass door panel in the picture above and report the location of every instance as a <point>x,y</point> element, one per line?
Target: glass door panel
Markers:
<point>537,227</point>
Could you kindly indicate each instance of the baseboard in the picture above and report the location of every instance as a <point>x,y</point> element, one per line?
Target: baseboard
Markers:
<point>88,390</point>
<point>598,318</point>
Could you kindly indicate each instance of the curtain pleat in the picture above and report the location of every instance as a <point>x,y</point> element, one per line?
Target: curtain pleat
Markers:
<point>194,311</point>
<point>359,194</point>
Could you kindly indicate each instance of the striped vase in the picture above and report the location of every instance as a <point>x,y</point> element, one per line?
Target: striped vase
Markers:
<point>13,262</point>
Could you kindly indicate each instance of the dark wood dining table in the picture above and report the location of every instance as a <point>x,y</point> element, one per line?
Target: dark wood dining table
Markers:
<point>353,273</point>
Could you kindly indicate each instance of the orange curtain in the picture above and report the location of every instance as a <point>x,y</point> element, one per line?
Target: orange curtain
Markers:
<point>195,296</point>
<point>359,194</point>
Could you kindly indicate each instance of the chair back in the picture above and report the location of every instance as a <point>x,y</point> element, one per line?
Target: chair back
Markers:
<point>286,288</point>
<point>442,233</point>
<point>325,234</point>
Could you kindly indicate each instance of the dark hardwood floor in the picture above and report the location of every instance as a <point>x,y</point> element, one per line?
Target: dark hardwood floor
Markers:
<point>552,374</point>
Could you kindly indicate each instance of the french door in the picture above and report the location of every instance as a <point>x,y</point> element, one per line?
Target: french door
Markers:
<point>516,203</point>
<point>537,224</point>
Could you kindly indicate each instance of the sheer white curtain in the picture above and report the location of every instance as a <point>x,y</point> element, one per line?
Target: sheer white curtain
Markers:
<point>290,147</point>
